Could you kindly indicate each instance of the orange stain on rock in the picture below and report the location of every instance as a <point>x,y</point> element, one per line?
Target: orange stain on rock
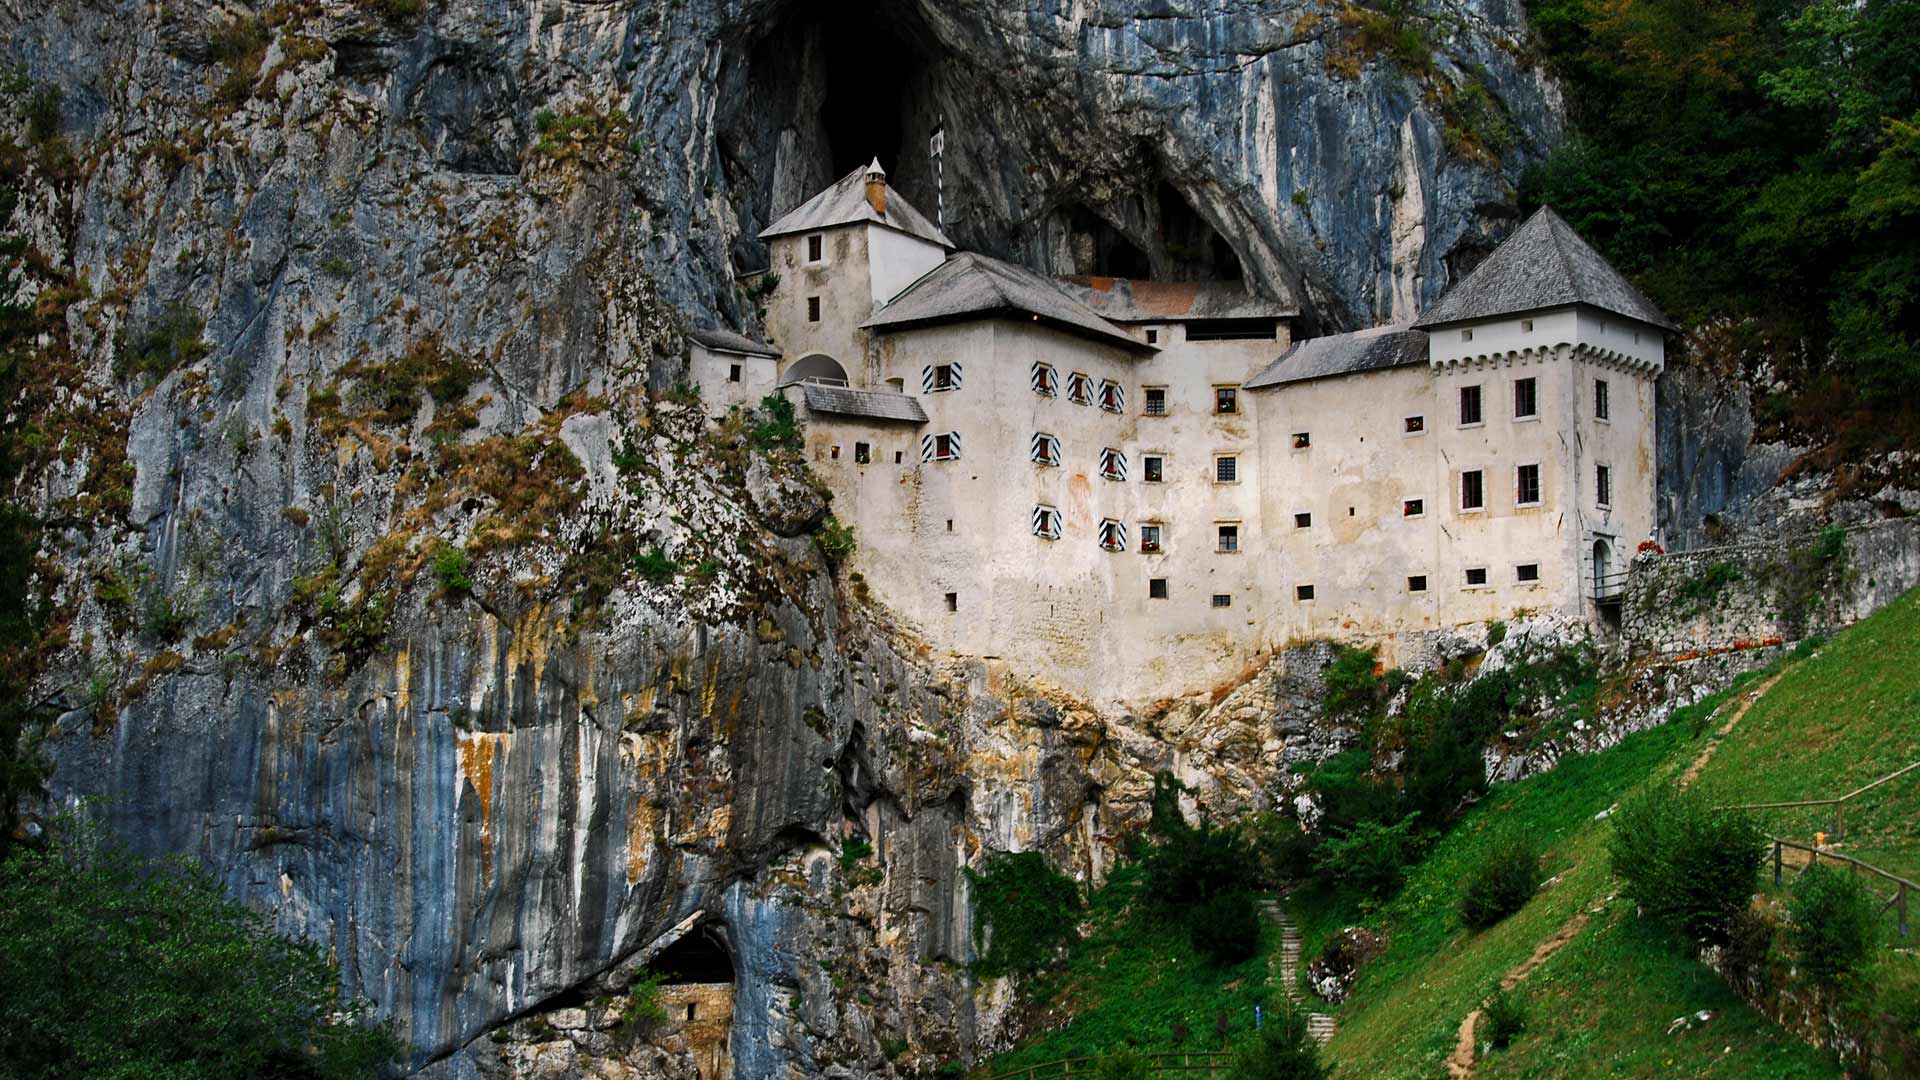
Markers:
<point>478,751</point>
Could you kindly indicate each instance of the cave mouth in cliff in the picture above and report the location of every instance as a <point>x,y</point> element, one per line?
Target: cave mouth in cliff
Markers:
<point>1101,248</point>
<point>870,61</point>
<point>1195,249</point>
<point>700,956</point>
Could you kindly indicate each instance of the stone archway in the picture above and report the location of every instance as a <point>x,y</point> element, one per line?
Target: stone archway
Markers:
<point>1602,555</point>
<point>815,367</point>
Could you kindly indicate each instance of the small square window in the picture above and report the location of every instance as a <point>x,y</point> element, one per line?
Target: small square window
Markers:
<point>1302,440</point>
<point>733,372</point>
<point>1113,535</point>
<point>1112,398</point>
<point>1221,599</point>
<point>1079,389</point>
<point>1526,326</point>
<point>1466,335</point>
<point>1226,469</point>
<point>899,457</point>
<point>1603,485</point>
<point>949,524</point>
<point>1527,485</point>
<point>943,377</point>
<point>834,453</point>
<point>1229,539</point>
<point>1413,507</point>
<point>1476,576</point>
<point>1417,583</point>
<point>1526,398</point>
<point>1416,424</point>
<point>1473,490</point>
<point>862,453</point>
<point>1527,571</point>
<point>1153,337</point>
<point>1046,522</point>
<point>953,601</point>
<point>815,244</point>
<point>1469,405</point>
<point>1157,588</point>
<point>1045,449</point>
<point>1153,468</point>
<point>1113,464</point>
<point>1602,406</point>
<point>1150,539</point>
<point>1226,400</point>
<point>1303,592</point>
<point>1303,521</point>
<point>1156,400</point>
<point>813,309</point>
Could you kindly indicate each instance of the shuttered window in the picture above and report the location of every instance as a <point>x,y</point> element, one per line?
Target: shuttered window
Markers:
<point>1046,522</point>
<point>1044,380</point>
<point>941,447</point>
<point>1113,535</point>
<point>1113,464</point>
<point>1046,449</point>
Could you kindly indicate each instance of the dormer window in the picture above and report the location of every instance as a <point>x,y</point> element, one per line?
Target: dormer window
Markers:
<point>1113,535</point>
<point>1044,380</point>
<point>1113,464</point>
<point>816,248</point>
<point>1079,389</point>
<point>938,378</point>
<point>1046,449</point>
<point>1112,398</point>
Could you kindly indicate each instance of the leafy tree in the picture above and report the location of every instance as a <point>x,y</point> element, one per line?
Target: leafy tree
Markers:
<point>1226,928</point>
<point>1373,857</point>
<point>1282,1050</point>
<point>119,967</point>
<point>1503,883</point>
<point>1835,923</point>
<point>1023,910</point>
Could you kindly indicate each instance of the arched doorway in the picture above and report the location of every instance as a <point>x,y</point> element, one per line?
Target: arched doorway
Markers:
<point>1601,552</point>
<point>815,367</point>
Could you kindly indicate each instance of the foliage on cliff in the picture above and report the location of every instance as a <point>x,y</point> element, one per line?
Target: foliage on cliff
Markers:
<point>1755,165</point>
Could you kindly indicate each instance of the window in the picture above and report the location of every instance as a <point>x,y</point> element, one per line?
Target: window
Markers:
<point>1113,464</point>
<point>862,453</point>
<point>1153,337</point>
<point>953,601</point>
<point>1601,406</point>
<point>834,452</point>
<point>1466,335</point>
<point>1156,400</point>
<point>1157,588</point>
<point>942,447</point>
<point>1303,521</point>
<point>1153,468</point>
<point>1226,469</point>
<point>1603,485</point>
<point>1229,539</point>
<point>949,524</point>
<point>1527,571</point>
<point>733,372</point>
<point>935,378</point>
<point>1469,405</point>
<point>1226,400</point>
<point>1417,583</point>
<point>1112,398</point>
<point>1527,485</point>
<point>1416,424</point>
<point>1526,326</point>
<point>813,309</point>
<point>691,1010</point>
<point>1079,389</point>
<point>1303,592</point>
<point>1476,577</point>
<point>1302,440</point>
<point>1044,381</point>
<point>1473,490</point>
<point>1221,599</point>
<point>1046,449</point>
<point>1113,535</point>
<point>1046,522</point>
<point>1150,539</point>
<point>816,245</point>
<point>1413,507</point>
<point>899,457</point>
<point>1232,329</point>
<point>1526,398</point>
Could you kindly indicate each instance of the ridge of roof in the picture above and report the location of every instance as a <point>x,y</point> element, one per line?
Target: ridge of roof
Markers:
<point>970,283</point>
<point>1544,263</point>
<point>1374,349</point>
<point>844,202</point>
<point>723,340</point>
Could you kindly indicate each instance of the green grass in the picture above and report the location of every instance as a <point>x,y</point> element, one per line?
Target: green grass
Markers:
<point>1131,981</point>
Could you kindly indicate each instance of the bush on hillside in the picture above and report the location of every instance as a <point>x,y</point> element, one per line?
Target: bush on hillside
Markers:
<point>1226,928</point>
<point>1284,846</point>
<point>1193,864</point>
<point>1123,1063</point>
<point>1024,910</point>
<point>1835,923</point>
<point>124,966</point>
<point>1689,867</point>
<point>1502,883</point>
<point>1371,857</point>
<point>1348,793</point>
<point>1281,1050</point>
<point>1506,1018</point>
<point>1352,687</point>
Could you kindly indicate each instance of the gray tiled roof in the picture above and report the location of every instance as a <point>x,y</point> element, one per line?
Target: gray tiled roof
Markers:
<point>1544,264</point>
<point>971,284</point>
<point>728,341</point>
<point>1129,300</point>
<point>845,203</point>
<point>872,404</point>
<point>1345,354</point>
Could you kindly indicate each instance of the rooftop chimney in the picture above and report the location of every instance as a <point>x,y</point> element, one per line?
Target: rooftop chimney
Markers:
<point>877,187</point>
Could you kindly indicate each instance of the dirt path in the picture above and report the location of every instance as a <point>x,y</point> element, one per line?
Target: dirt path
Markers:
<point>1319,1025</point>
<point>1745,702</point>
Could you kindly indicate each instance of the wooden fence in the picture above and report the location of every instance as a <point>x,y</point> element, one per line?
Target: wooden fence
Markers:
<point>1207,1063</point>
<point>1897,903</point>
<point>1839,804</point>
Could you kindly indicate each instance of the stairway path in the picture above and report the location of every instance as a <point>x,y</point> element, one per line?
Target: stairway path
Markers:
<point>1319,1025</point>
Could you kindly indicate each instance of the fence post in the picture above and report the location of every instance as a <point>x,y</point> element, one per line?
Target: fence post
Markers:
<point>1901,902</point>
<point>1776,864</point>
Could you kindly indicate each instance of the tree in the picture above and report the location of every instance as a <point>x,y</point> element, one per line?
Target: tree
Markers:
<point>1281,1051</point>
<point>119,967</point>
<point>1689,866</point>
<point>1023,910</point>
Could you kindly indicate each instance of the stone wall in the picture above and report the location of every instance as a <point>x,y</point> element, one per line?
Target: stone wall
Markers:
<point>1755,594</point>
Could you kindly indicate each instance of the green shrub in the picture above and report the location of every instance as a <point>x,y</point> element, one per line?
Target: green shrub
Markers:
<point>1496,632</point>
<point>1281,1050</point>
<point>1502,884</point>
<point>1506,1018</point>
<point>777,426</point>
<point>1348,793</point>
<point>1352,689</point>
<point>1123,1063</point>
<point>1372,857</point>
<point>1284,847</point>
<point>125,966</point>
<point>835,540</point>
<point>1193,864</point>
<point>1023,911</point>
<point>655,565</point>
<point>1834,923</point>
<point>853,852</point>
<point>642,1012</point>
<point>1226,929</point>
<point>43,115</point>
<point>450,568</point>
<point>164,342</point>
<point>1703,587</point>
<point>1689,867</point>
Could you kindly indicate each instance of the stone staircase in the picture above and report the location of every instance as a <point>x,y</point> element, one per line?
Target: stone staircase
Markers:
<point>1319,1025</point>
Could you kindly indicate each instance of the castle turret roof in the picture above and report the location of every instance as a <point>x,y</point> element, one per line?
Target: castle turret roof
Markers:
<point>973,285</point>
<point>1544,264</point>
<point>846,203</point>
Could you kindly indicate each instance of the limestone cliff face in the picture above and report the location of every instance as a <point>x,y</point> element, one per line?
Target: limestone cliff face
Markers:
<point>396,584</point>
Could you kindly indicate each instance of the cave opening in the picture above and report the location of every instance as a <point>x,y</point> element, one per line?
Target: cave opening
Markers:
<point>1195,250</point>
<point>869,65</point>
<point>698,957</point>
<point>1100,248</point>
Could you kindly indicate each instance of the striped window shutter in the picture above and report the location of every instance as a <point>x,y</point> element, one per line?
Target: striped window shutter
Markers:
<point>956,374</point>
<point>953,443</point>
<point>926,448</point>
<point>1042,380</point>
<point>1046,449</point>
<point>927,385</point>
<point>926,379</point>
<point>1113,464</point>
<point>1046,522</point>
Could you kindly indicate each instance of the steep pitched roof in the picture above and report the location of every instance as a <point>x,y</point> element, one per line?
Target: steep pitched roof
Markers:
<point>872,404</point>
<point>973,284</point>
<point>728,341</point>
<point>845,203</point>
<point>1377,349</point>
<point>1543,264</point>
<point>1133,300</point>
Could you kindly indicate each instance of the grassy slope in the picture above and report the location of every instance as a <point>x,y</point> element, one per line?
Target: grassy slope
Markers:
<point>1601,1006</point>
